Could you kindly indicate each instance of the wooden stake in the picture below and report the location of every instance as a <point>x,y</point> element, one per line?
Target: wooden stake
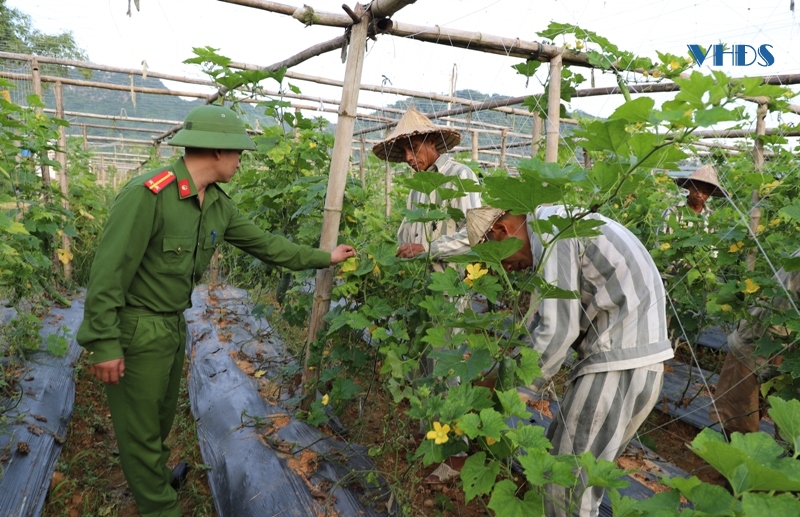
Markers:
<point>536,130</point>
<point>553,110</point>
<point>758,159</point>
<point>61,155</point>
<point>85,139</point>
<point>336,184</point>
<point>503,136</point>
<point>475,145</point>
<point>37,90</point>
<point>388,182</point>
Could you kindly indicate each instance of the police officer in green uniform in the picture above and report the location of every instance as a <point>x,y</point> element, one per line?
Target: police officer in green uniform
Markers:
<point>159,238</point>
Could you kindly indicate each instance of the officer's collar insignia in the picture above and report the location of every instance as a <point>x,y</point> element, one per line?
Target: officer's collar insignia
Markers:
<point>158,182</point>
<point>184,189</point>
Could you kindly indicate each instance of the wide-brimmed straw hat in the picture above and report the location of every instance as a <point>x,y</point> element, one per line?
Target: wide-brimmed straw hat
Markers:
<point>480,221</point>
<point>415,123</point>
<point>705,174</point>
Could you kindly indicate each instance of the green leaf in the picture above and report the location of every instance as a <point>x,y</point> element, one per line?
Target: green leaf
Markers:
<point>786,415</point>
<point>527,68</point>
<point>448,282</point>
<point>478,476</point>
<point>461,363</point>
<point>426,181</point>
<point>528,366</point>
<point>512,404</point>
<point>601,135</point>
<point>602,473</point>
<point>424,215</point>
<point>506,504</point>
<point>547,290</point>
<point>529,437</point>
<point>541,467</point>
<point>710,116</point>
<point>492,424</point>
<point>712,499</point>
<point>488,286</point>
<point>470,424</point>
<point>770,504</point>
<point>636,110</point>
<point>758,446</point>
<point>430,453</point>
<point>518,195</point>
<point>493,252</point>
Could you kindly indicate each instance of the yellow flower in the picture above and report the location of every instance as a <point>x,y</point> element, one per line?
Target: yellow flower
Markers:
<point>579,44</point>
<point>474,272</point>
<point>439,433</point>
<point>775,222</point>
<point>750,287</point>
<point>665,246</point>
<point>312,145</point>
<point>6,95</point>
<point>325,399</point>
<point>490,440</point>
<point>645,73</point>
<point>736,247</point>
<point>674,65</point>
<point>760,228</point>
<point>457,430</point>
<point>768,187</point>
<point>725,307</point>
<point>656,73</point>
<point>662,179</point>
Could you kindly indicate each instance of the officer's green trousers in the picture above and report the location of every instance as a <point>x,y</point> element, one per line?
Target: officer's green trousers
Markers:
<point>143,405</point>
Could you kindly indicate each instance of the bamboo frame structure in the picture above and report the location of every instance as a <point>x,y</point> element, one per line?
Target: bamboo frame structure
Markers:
<point>336,184</point>
<point>63,181</point>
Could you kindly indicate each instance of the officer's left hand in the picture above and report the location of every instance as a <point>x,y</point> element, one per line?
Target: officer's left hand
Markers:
<point>410,250</point>
<point>342,253</point>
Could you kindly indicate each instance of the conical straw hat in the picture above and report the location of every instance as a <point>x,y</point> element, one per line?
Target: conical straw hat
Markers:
<point>415,123</point>
<point>480,221</point>
<point>705,174</point>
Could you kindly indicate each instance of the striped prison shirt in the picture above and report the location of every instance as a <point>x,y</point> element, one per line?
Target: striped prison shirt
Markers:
<point>446,238</point>
<point>619,321</point>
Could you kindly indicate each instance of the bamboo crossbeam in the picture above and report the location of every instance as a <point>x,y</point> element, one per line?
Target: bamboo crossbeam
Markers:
<point>104,86</point>
<point>122,155</point>
<point>742,133</point>
<point>113,139</point>
<point>479,41</point>
<point>116,128</point>
<point>485,105</point>
<point>782,80</point>
<point>439,35</point>
<point>105,68</point>
<point>294,60</point>
<point>114,117</point>
<point>396,91</point>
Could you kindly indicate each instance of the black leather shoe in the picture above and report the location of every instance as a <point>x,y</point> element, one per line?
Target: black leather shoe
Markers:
<point>179,474</point>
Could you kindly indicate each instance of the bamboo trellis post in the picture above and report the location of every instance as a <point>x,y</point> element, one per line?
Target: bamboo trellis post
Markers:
<point>66,245</point>
<point>553,109</point>
<point>388,182</point>
<point>361,170</point>
<point>37,90</point>
<point>758,159</point>
<point>503,136</point>
<point>336,184</point>
<point>85,139</point>
<point>536,133</point>
<point>102,171</point>
<point>475,145</point>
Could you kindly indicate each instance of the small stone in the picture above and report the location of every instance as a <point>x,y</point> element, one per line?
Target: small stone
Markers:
<point>23,447</point>
<point>428,503</point>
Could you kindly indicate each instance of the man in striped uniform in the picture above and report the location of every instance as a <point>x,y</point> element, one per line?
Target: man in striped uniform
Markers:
<point>617,326</point>
<point>423,146</point>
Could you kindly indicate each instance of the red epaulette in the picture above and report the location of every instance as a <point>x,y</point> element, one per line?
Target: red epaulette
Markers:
<point>157,183</point>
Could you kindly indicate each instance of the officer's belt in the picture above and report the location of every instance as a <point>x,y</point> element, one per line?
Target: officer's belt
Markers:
<point>148,309</point>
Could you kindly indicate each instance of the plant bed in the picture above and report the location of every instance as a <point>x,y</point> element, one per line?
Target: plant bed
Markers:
<point>262,460</point>
<point>36,415</point>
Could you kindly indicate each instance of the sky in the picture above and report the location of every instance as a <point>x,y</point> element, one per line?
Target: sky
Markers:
<point>164,32</point>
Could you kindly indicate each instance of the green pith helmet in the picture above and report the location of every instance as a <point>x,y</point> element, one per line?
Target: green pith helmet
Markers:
<point>213,127</point>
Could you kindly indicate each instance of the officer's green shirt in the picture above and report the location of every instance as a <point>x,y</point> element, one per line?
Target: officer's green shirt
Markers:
<point>156,246</point>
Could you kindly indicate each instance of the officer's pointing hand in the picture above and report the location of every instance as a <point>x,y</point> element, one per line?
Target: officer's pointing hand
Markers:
<point>109,371</point>
<point>342,253</point>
